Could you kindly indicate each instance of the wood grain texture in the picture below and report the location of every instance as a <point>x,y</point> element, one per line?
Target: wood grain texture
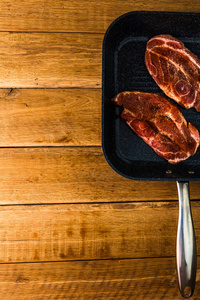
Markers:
<point>77,16</point>
<point>70,227</point>
<point>90,231</point>
<point>73,175</point>
<point>106,279</point>
<point>50,60</point>
<point>50,117</point>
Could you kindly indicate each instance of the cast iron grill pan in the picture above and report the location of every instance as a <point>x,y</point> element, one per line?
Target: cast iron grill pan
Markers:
<point>123,69</point>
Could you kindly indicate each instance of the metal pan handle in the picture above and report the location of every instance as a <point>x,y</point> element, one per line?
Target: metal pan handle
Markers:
<point>186,246</point>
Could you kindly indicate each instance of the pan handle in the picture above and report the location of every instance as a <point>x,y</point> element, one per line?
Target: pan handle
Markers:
<point>186,246</point>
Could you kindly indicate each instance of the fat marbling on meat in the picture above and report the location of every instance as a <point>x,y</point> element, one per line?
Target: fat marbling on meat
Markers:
<point>175,69</point>
<point>159,123</point>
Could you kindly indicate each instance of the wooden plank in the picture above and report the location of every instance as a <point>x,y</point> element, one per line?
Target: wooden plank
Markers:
<point>77,16</point>
<point>49,60</point>
<point>73,175</point>
<point>106,279</point>
<point>50,117</point>
<point>90,231</point>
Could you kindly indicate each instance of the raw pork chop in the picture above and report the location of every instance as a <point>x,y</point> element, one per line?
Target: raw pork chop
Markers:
<point>160,124</point>
<point>175,69</point>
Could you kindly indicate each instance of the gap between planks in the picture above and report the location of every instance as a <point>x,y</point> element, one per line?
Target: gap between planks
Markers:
<point>77,16</point>
<point>120,279</point>
<point>82,232</point>
<point>73,175</point>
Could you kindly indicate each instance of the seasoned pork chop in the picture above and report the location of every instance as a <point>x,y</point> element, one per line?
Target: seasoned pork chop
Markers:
<point>175,69</point>
<point>160,124</point>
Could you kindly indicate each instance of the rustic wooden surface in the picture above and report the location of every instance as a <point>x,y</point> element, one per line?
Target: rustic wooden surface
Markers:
<point>70,227</point>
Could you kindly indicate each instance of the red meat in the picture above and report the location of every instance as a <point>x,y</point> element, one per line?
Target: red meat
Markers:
<point>175,69</point>
<point>160,124</point>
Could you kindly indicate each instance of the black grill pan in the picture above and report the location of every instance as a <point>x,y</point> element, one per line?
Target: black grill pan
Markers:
<point>123,69</point>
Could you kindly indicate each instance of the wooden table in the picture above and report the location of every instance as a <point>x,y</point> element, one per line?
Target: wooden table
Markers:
<point>70,227</point>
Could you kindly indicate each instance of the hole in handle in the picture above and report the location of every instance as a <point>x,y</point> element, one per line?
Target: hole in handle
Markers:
<point>187,292</point>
